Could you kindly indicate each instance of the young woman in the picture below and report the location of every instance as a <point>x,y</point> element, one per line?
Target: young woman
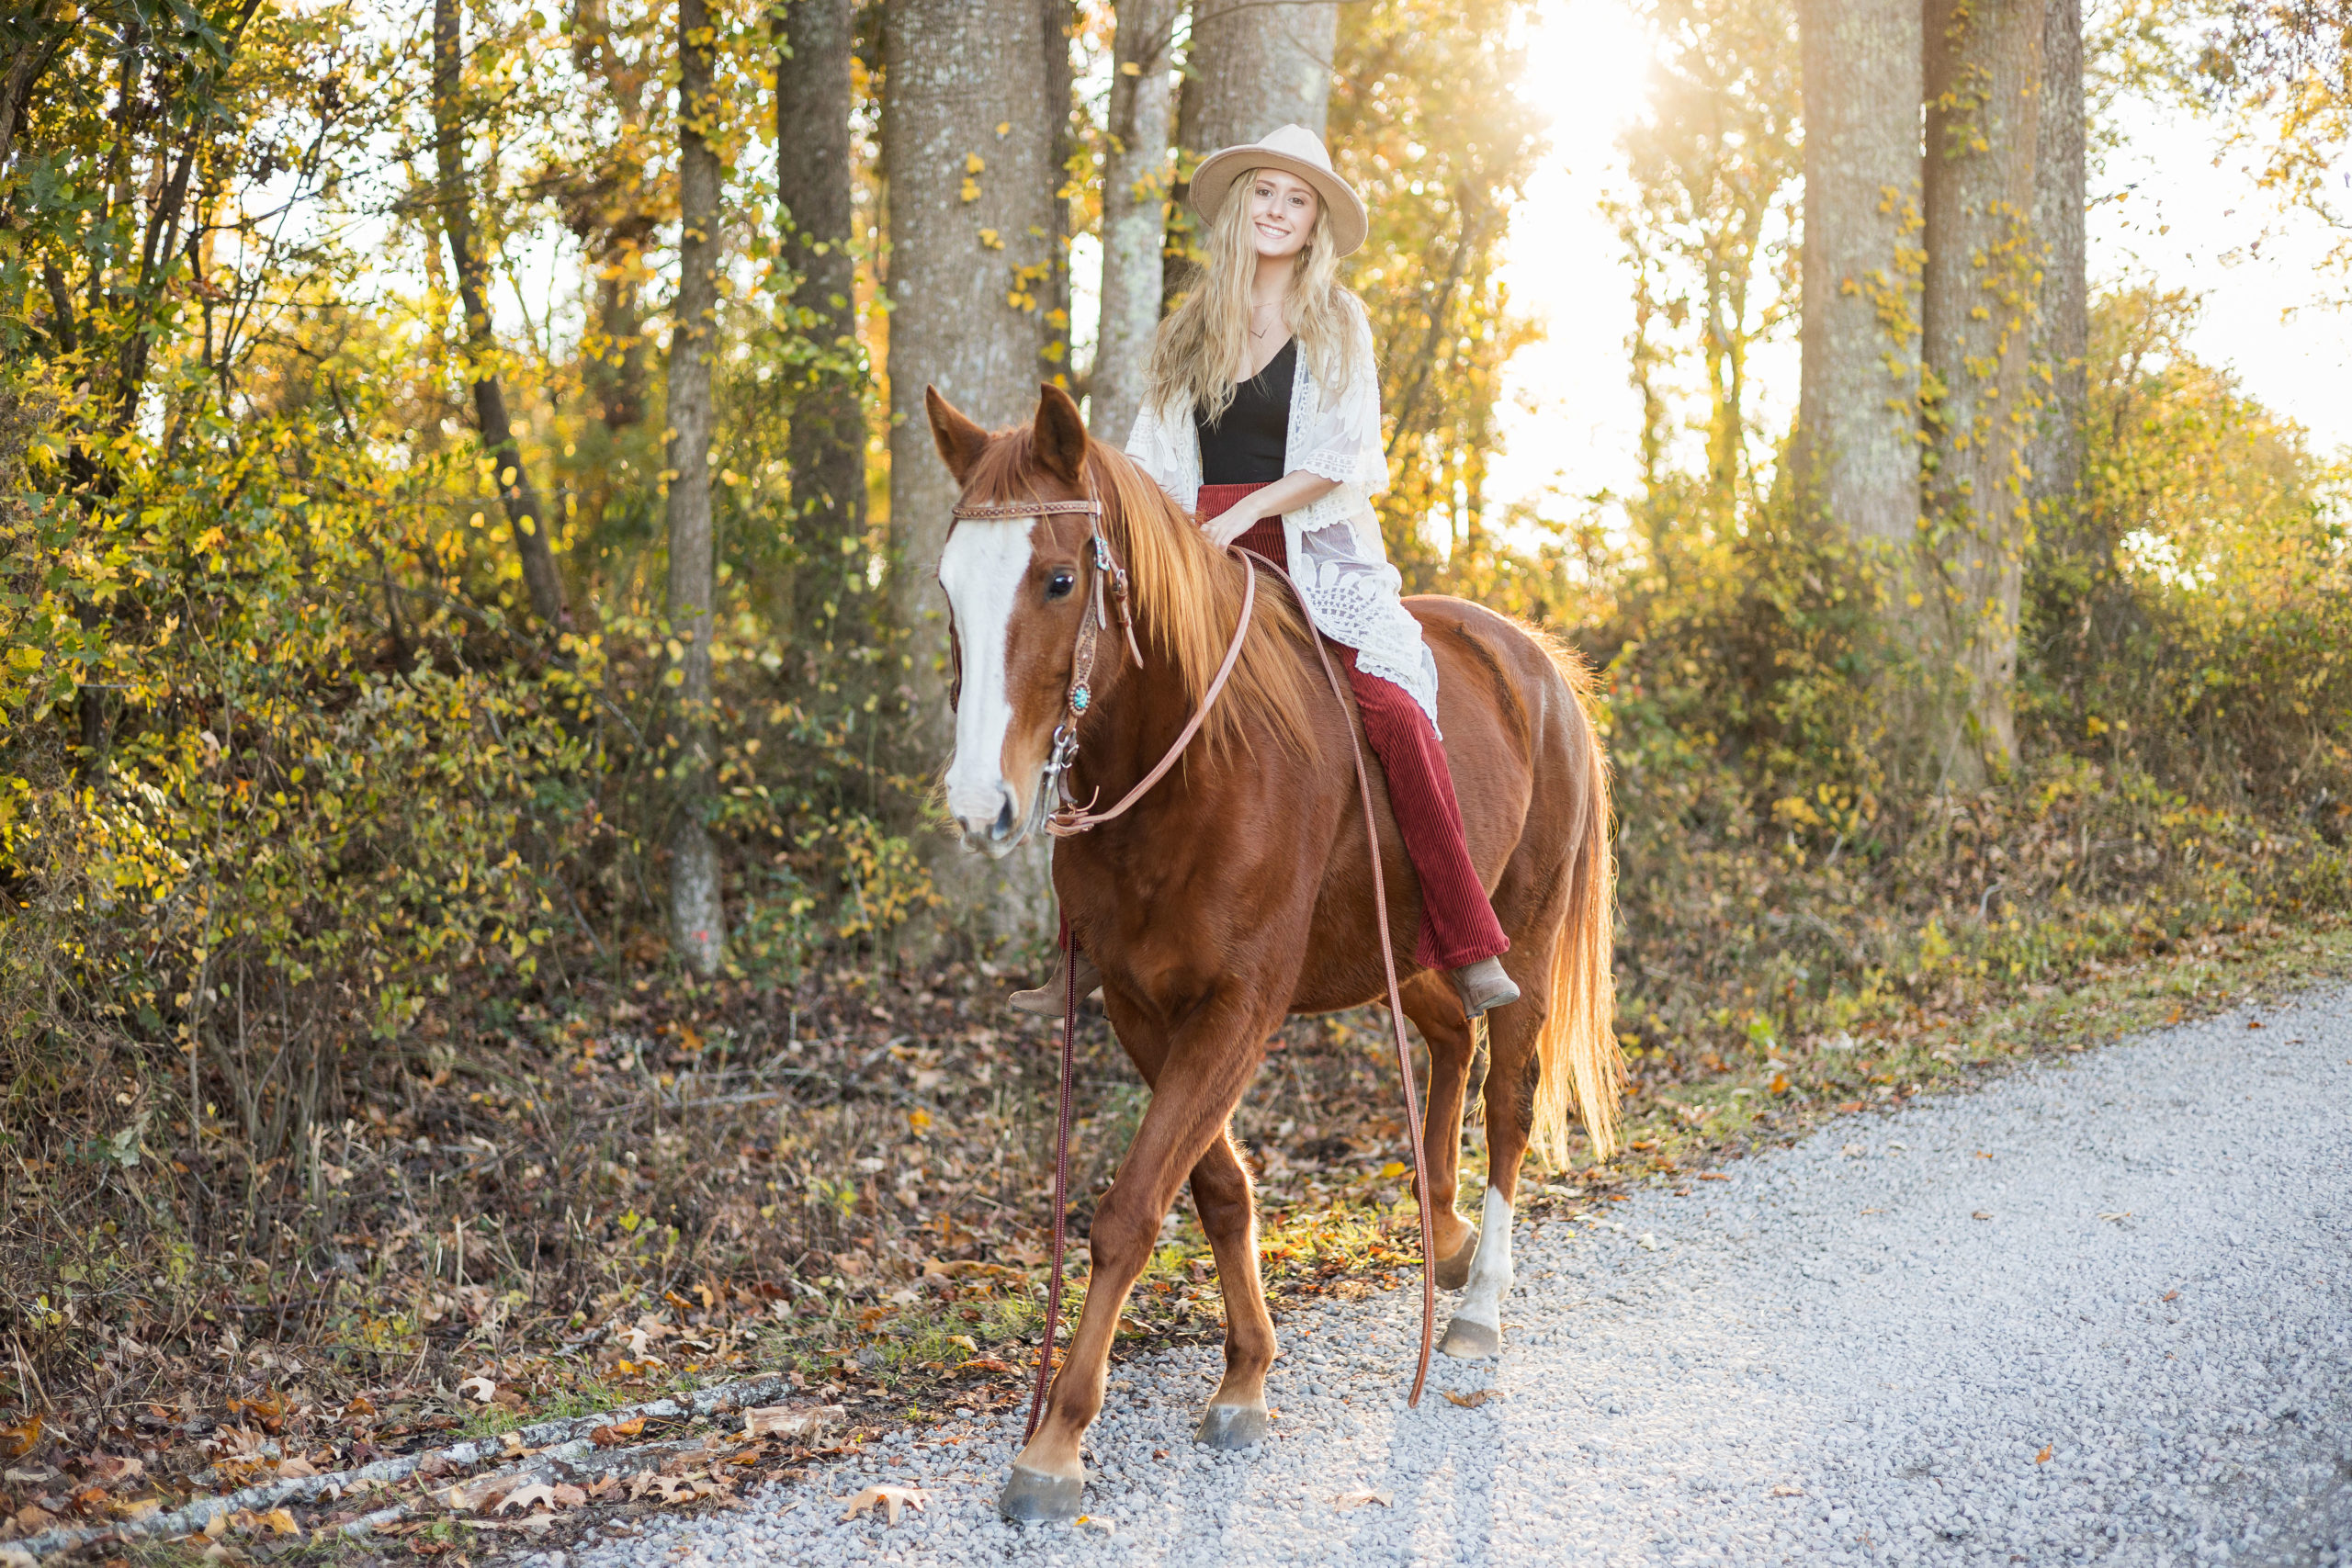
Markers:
<point>1263,419</point>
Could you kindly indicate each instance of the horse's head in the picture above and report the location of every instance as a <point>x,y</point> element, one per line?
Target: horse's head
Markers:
<point>1016,591</point>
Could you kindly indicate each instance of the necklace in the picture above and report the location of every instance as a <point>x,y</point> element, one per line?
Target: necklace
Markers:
<point>1256,331</point>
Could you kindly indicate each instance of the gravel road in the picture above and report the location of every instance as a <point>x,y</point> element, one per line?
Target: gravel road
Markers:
<point>2099,1311</point>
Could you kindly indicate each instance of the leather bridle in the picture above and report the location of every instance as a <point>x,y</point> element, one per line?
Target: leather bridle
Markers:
<point>1070,819</point>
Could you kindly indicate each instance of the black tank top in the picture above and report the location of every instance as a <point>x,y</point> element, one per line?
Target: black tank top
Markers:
<point>1249,443</point>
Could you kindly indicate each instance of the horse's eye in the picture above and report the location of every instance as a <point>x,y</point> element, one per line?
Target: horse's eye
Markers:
<point>1059,585</point>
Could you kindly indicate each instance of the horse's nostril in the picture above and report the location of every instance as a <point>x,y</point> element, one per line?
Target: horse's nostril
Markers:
<point>1002,829</point>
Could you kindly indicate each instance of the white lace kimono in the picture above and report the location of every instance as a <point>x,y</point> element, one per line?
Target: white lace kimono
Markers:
<point>1336,554</point>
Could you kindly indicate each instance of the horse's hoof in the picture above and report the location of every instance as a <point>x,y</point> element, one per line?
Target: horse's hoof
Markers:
<point>1453,1272</point>
<point>1472,1341</point>
<point>1031,1496</point>
<point>1229,1426</point>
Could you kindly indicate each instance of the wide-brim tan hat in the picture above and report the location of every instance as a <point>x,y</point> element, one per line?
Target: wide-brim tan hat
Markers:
<point>1295,150</point>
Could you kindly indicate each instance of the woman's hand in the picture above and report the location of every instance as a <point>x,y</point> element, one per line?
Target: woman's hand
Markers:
<point>1232,523</point>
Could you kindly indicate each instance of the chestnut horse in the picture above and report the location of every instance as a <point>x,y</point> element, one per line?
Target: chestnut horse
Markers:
<point>1239,888</point>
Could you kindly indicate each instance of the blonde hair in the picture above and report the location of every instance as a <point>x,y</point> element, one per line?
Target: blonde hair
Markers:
<point>1203,345</point>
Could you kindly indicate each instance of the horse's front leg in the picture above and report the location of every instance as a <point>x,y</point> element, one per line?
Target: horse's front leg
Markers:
<point>1199,1081</point>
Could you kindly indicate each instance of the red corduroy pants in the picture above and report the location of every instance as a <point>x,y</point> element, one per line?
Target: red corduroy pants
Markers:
<point>1458,924</point>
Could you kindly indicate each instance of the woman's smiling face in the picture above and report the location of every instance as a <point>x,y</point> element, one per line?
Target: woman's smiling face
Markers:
<point>1283,210</point>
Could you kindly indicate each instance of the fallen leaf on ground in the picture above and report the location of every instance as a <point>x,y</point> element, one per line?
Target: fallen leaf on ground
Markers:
<point>888,1499</point>
<point>278,1521</point>
<point>18,1440</point>
<point>1365,1497</point>
<point>1713,1176</point>
<point>1979,1215</point>
<point>616,1434</point>
<point>113,1469</point>
<point>1474,1399</point>
<point>788,1421</point>
<point>556,1496</point>
<point>2171,1295</point>
<point>985,1364</point>
<point>2043,1457</point>
<point>481,1388</point>
<point>1788,1491</point>
<point>2124,1214</point>
<point>294,1467</point>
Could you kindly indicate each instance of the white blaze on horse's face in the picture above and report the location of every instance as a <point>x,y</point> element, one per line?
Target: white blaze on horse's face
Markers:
<point>982,569</point>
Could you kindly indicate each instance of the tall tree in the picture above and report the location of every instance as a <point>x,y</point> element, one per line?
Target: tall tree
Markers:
<point>1984,83</point>
<point>1134,197</point>
<point>1256,66</point>
<point>1424,123</point>
<point>612,207</point>
<point>1857,454</point>
<point>695,913</point>
<point>1711,165</point>
<point>2063,331</point>
<point>521,498</point>
<point>1064,186</point>
<point>827,449</point>
<point>968,133</point>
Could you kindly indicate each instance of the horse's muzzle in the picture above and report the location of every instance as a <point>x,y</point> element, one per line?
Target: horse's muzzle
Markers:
<point>996,836</point>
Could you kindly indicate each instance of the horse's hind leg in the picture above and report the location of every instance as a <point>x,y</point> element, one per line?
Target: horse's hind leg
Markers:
<point>1477,1326</point>
<point>1430,1002</point>
<point>1236,1415</point>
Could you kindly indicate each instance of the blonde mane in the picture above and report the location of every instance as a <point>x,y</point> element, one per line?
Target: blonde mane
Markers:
<point>1187,596</point>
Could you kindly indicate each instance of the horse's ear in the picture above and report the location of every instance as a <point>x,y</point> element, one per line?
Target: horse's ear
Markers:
<point>1058,439</point>
<point>960,442</point>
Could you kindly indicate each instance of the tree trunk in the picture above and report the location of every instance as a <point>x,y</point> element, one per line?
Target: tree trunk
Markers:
<point>695,907</point>
<point>1856,460</point>
<point>520,497</point>
<point>1252,67</point>
<point>1134,193</point>
<point>1256,67</point>
<point>2062,334</point>
<point>1060,20</point>
<point>968,128</point>
<point>43,36</point>
<point>1983,115</point>
<point>827,449</point>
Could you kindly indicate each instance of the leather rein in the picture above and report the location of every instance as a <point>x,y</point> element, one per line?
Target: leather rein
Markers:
<point>1110,580</point>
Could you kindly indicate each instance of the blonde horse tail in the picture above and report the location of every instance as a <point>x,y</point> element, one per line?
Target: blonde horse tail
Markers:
<point>1581,1066</point>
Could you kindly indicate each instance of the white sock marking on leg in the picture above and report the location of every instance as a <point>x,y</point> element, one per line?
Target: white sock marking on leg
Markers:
<point>1482,1298</point>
